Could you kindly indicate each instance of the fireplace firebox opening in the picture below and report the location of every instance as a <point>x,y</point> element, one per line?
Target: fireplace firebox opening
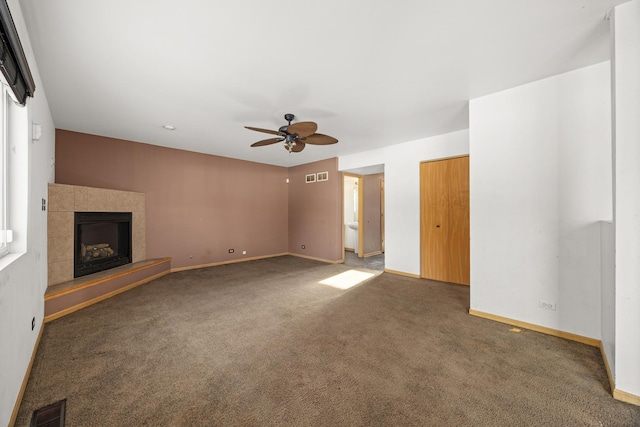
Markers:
<point>102,241</point>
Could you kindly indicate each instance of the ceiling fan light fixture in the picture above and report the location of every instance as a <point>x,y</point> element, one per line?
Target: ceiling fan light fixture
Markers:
<point>288,145</point>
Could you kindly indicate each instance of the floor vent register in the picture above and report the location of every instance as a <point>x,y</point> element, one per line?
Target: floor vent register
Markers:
<point>50,416</point>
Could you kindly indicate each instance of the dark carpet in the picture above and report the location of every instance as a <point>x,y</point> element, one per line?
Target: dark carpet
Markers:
<point>265,343</point>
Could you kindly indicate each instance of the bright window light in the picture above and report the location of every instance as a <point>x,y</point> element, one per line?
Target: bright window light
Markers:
<point>4,118</point>
<point>347,280</point>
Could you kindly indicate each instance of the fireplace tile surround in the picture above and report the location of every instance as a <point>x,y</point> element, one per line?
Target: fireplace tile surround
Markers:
<point>64,200</point>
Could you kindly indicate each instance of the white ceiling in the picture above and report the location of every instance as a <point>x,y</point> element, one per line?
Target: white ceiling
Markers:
<point>370,73</point>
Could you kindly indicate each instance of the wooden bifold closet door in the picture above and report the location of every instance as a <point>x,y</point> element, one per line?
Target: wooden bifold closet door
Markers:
<point>444,220</point>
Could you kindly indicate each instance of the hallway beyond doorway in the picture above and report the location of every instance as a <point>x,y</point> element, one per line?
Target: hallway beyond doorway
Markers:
<point>375,262</point>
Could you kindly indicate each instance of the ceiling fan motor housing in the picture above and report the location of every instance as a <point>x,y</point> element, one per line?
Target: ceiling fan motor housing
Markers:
<point>288,117</point>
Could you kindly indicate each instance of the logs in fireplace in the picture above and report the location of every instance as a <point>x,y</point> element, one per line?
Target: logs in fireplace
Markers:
<point>102,241</point>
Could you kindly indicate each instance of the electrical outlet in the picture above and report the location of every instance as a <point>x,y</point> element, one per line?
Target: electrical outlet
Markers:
<point>231,251</point>
<point>44,205</point>
<point>302,246</point>
<point>546,304</point>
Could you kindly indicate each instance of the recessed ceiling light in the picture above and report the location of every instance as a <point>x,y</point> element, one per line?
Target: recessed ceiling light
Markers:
<point>169,127</point>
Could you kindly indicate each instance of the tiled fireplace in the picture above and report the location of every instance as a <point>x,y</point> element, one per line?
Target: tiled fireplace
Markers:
<point>65,201</point>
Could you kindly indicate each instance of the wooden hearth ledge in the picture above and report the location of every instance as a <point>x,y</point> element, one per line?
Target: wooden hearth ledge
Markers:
<point>67,297</point>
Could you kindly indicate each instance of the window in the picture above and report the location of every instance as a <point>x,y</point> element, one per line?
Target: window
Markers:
<point>14,177</point>
<point>5,235</point>
<point>16,86</point>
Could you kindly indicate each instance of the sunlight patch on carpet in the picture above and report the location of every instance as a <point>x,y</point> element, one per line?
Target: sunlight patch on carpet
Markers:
<point>347,280</point>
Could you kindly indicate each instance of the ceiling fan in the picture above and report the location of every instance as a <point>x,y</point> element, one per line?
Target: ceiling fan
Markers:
<point>295,136</point>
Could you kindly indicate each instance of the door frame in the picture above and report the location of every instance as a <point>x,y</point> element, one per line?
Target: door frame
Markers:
<point>360,212</point>
<point>382,217</point>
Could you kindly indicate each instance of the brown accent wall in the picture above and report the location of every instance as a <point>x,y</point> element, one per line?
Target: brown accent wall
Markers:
<point>372,229</point>
<point>315,211</point>
<point>198,206</point>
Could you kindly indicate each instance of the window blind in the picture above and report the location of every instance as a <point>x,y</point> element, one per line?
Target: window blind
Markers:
<point>13,62</point>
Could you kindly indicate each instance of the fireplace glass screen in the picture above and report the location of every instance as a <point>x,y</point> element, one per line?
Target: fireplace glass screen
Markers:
<point>102,241</point>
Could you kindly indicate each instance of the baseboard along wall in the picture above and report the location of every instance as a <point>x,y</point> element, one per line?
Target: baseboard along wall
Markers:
<point>234,261</point>
<point>402,273</point>
<point>617,394</point>
<point>25,380</point>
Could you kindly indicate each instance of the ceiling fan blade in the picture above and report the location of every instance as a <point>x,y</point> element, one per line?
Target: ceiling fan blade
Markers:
<point>266,142</point>
<point>272,132</point>
<point>298,147</point>
<point>303,128</point>
<point>320,139</point>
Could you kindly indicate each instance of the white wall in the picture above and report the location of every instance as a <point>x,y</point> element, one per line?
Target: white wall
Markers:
<point>626,83</point>
<point>402,191</point>
<point>24,281</point>
<point>608,294</point>
<point>540,174</point>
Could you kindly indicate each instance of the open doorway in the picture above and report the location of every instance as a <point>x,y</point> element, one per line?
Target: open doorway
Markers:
<point>363,225</point>
<point>352,209</point>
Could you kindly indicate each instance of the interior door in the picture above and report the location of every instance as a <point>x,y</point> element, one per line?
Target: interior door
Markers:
<point>444,220</point>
